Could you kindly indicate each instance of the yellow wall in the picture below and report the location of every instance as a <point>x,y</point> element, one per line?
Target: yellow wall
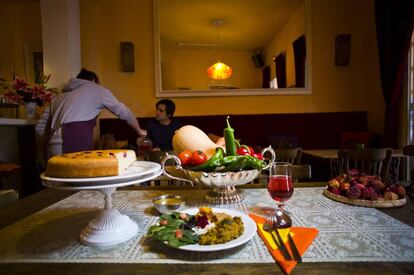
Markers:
<point>105,23</point>
<point>282,42</point>
<point>188,68</point>
<point>20,24</point>
<point>355,87</point>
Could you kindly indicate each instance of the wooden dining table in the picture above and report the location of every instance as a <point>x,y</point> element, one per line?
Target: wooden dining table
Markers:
<point>27,206</point>
<point>332,156</point>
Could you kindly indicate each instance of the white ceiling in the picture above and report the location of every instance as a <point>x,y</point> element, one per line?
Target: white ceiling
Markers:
<point>248,24</point>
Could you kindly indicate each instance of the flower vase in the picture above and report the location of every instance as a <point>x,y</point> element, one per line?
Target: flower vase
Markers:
<point>30,109</point>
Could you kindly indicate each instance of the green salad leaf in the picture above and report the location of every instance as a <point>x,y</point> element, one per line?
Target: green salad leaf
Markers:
<point>174,231</point>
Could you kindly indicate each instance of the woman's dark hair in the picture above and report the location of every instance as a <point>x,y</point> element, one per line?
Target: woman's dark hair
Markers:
<point>169,106</point>
<point>88,75</point>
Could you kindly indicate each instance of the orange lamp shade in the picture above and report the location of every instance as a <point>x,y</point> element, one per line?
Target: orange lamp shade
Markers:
<point>219,71</point>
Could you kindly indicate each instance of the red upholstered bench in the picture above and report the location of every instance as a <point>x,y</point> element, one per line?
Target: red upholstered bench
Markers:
<point>350,140</point>
<point>311,130</point>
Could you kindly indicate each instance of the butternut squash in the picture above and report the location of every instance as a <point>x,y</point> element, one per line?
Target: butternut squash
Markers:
<point>192,138</point>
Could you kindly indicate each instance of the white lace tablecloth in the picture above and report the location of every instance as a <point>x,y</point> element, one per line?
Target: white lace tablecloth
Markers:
<point>346,233</point>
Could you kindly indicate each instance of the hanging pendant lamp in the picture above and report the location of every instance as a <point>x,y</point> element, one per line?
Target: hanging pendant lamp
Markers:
<point>219,70</point>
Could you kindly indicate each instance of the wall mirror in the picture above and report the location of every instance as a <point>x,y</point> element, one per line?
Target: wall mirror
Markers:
<point>258,40</point>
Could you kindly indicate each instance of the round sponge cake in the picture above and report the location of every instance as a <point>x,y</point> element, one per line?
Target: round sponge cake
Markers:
<point>87,164</point>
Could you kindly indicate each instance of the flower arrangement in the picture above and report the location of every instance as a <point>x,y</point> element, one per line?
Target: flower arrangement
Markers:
<point>20,91</point>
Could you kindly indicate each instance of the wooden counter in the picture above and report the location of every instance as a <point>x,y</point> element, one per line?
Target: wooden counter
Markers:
<point>18,145</point>
<point>17,122</point>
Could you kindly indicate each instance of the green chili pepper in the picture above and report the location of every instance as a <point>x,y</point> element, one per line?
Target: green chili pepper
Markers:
<point>228,134</point>
<point>212,163</point>
<point>251,162</point>
<point>228,160</point>
<point>230,163</point>
<point>254,163</point>
<point>236,166</point>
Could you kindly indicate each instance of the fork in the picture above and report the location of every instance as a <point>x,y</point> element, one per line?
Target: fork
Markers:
<point>279,242</point>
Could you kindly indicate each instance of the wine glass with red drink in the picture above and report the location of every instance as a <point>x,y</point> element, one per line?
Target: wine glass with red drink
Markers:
<point>280,188</point>
<point>144,144</point>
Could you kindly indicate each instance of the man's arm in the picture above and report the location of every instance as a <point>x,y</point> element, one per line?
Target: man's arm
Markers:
<point>123,112</point>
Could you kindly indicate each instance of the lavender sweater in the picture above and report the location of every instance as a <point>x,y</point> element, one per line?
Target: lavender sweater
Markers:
<point>81,100</point>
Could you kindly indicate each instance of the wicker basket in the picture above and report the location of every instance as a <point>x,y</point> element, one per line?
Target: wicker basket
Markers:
<point>366,203</point>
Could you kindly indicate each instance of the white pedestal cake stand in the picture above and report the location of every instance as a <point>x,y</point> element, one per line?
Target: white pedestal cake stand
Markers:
<point>110,227</point>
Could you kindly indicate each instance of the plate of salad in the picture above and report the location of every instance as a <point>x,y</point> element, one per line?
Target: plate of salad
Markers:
<point>203,229</point>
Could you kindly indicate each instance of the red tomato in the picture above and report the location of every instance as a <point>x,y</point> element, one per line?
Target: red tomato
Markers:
<point>178,233</point>
<point>185,157</point>
<point>198,157</point>
<point>258,156</point>
<point>243,151</point>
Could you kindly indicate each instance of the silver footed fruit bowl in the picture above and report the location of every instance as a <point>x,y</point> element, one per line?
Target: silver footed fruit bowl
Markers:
<point>223,183</point>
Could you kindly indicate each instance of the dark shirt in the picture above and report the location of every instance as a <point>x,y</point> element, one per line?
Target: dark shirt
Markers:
<point>161,135</point>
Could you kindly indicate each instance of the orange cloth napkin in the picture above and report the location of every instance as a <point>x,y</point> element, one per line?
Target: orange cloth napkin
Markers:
<point>303,237</point>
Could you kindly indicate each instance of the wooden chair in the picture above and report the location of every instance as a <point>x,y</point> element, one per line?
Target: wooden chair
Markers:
<point>370,161</point>
<point>408,150</point>
<point>6,169</point>
<point>300,173</point>
<point>157,156</point>
<point>292,155</point>
<point>277,141</point>
<point>8,196</point>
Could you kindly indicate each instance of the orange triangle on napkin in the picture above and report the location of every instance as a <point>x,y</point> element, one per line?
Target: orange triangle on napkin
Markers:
<point>302,236</point>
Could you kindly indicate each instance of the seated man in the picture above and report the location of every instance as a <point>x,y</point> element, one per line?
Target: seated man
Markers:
<point>161,130</point>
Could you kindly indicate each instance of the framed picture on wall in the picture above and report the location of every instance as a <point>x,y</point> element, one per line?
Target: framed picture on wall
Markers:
<point>33,59</point>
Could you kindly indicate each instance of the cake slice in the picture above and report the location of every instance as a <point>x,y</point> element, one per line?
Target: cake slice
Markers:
<point>88,164</point>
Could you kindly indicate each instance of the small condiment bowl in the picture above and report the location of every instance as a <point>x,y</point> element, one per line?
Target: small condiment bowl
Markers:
<point>166,204</point>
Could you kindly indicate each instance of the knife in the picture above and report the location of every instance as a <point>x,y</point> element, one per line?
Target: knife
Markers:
<point>295,252</point>
<point>282,246</point>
